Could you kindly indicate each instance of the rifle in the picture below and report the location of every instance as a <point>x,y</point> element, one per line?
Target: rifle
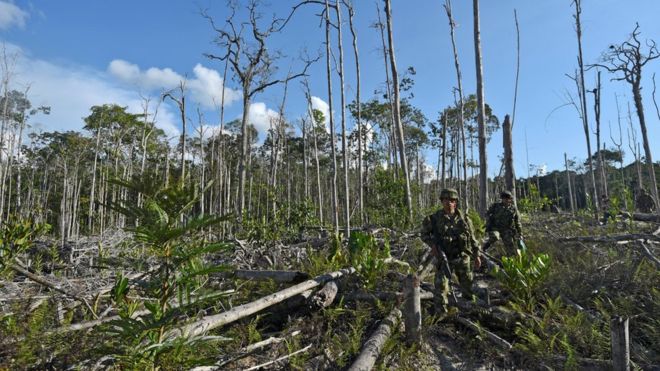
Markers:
<point>444,264</point>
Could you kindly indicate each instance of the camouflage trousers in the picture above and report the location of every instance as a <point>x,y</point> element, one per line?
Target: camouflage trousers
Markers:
<point>460,267</point>
<point>509,240</point>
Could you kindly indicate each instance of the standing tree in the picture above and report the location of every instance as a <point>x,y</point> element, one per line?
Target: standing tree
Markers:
<point>253,65</point>
<point>397,109</point>
<point>461,117</point>
<point>582,94</point>
<point>629,59</point>
<point>481,118</point>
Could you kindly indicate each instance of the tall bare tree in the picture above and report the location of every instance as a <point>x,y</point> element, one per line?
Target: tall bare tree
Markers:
<point>253,65</point>
<point>397,108</point>
<point>628,59</point>
<point>582,95</point>
<point>351,14</point>
<point>342,110</point>
<point>481,116</point>
<point>461,109</point>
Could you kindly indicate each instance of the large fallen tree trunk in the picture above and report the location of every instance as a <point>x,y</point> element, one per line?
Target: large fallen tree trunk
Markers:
<point>498,341</point>
<point>372,348</point>
<point>277,276</point>
<point>614,238</point>
<point>241,311</point>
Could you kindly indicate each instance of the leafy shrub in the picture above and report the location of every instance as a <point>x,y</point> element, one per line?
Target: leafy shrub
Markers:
<point>367,257</point>
<point>522,274</point>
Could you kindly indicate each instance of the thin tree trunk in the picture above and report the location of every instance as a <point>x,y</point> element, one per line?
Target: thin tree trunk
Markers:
<point>397,113</point>
<point>461,108</point>
<point>481,115</point>
<point>335,206</point>
<point>647,147</point>
<point>351,13</point>
<point>583,101</point>
<point>344,151</point>
<point>570,188</point>
<point>509,173</point>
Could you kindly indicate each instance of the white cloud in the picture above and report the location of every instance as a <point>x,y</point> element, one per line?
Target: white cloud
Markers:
<point>11,15</point>
<point>205,88</point>
<point>71,90</point>
<point>321,105</point>
<point>260,116</point>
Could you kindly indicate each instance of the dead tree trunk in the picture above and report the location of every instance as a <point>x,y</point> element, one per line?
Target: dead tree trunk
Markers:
<point>461,108</point>
<point>509,174</point>
<point>397,113</point>
<point>481,115</point>
<point>344,151</point>
<point>351,14</point>
<point>583,105</point>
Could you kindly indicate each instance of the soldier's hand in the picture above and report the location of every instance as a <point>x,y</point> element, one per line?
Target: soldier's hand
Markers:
<point>477,263</point>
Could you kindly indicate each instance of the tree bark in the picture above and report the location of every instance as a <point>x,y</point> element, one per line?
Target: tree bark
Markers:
<point>335,206</point>
<point>344,151</point>
<point>372,348</point>
<point>481,115</point>
<point>397,108</point>
<point>241,311</point>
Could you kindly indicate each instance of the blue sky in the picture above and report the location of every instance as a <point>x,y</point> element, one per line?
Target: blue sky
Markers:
<point>75,54</point>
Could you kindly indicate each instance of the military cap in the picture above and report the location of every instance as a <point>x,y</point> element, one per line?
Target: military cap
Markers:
<point>449,193</point>
<point>506,194</point>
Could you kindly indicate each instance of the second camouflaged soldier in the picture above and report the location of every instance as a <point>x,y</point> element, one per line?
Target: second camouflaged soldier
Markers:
<point>449,231</point>
<point>503,223</point>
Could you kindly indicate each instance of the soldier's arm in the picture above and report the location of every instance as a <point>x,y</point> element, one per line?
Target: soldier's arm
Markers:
<point>426,233</point>
<point>516,222</point>
<point>489,218</point>
<point>476,248</point>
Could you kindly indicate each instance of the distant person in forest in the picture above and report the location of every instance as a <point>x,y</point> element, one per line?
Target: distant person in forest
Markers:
<point>605,205</point>
<point>448,231</point>
<point>503,223</point>
<point>644,202</point>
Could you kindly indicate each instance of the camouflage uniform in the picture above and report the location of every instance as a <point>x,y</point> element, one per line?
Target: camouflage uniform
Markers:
<point>505,220</point>
<point>644,202</point>
<point>453,235</point>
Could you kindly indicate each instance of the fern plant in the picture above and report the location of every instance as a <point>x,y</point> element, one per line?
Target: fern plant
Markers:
<point>174,238</point>
<point>522,274</point>
<point>366,256</point>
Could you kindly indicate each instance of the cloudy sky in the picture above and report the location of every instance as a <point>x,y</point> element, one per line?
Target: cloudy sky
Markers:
<point>76,54</point>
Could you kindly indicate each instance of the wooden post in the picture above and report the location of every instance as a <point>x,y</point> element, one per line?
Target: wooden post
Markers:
<point>412,309</point>
<point>509,174</point>
<point>620,344</point>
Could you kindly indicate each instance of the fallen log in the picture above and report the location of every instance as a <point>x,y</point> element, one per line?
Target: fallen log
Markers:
<point>277,276</point>
<point>258,367</point>
<point>372,348</point>
<point>325,296</point>
<point>614,238</point>
<point>650,255</point>
<point>498,341</point>
<point>241,311</point>
<point>55,286</point>
<point>245,351</point>
<point>383,296</point>
<point>644,217</point>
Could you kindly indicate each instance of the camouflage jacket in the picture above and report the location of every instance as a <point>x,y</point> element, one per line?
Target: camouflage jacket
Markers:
<point>503,218</point>
<point>451,233</point>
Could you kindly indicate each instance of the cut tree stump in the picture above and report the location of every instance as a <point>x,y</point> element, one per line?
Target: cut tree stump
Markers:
<point>210,322</point>
<point>620,344</point>
<point>412,309</point>
<point>372,347</point>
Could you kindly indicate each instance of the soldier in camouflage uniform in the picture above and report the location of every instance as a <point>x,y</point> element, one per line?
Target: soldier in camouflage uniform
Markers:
<point>448,230</point>
<point>503,223</point>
